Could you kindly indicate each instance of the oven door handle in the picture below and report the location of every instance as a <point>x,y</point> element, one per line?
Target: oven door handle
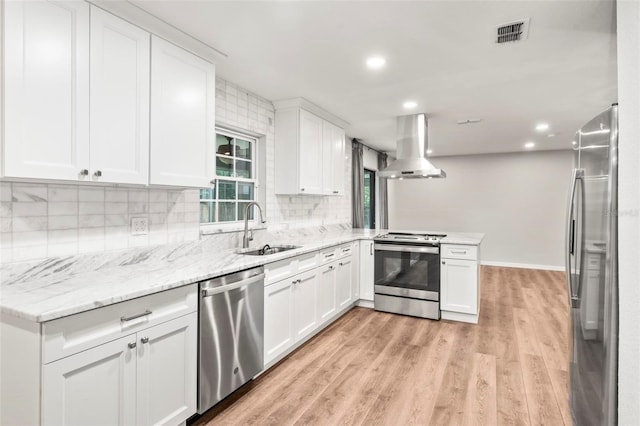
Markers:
<point>410,249</point>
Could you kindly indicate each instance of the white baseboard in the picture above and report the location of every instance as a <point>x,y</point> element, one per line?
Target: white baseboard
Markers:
<point>524,265</point>
<point>364,303</point>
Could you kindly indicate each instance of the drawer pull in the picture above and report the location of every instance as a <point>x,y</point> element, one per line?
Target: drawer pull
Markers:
<point>144,340</point>
<point>459,251</point>
<point>144,314</point>
<point>131,345</point>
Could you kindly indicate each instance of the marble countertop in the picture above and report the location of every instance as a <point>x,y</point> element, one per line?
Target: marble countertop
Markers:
<point>60,287</point>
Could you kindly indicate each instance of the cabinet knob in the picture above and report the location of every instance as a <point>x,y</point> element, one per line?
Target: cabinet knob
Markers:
<point>144,340</point>
<point>443,262</point>
<point>335,192</point>
<point>84,172</point>
<point>97,173</point>
<point>131,345</point>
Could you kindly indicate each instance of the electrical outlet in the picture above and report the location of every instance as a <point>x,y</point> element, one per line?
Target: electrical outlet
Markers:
<point>139,226</point>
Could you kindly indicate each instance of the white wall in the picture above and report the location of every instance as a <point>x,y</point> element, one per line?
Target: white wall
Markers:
<point>629,212</point>
<point>45,220</point>
<point>518,200</point>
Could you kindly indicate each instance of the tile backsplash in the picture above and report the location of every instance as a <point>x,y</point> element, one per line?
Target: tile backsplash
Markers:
<point>39,220</point>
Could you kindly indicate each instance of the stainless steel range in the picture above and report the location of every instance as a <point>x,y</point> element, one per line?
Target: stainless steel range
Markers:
<point>407,274</point>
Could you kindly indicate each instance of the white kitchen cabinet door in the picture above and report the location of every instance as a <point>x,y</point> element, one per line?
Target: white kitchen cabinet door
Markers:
<point>46,86</point>
<point>310,153</point>
<point>305,305</point>
<point>96,386</point>
<point>278,318</point>
<point>120,57</point>
<point>459,286</point>
<point>182,117</point>
<point>343,283</point>
<point>166,374</point>
<point>333,161</point>
<point>355,271</point>
<point>327,292</point>
<point>366,270</point>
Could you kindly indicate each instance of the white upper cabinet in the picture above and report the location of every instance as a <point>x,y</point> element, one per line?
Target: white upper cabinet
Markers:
<point>333,161</point>
<point>120,56</point>
<point>309,151</point>
<point>182,117</point>
<point>46,85</point>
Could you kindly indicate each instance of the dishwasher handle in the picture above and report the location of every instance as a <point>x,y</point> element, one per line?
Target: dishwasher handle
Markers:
<point>223,288</point>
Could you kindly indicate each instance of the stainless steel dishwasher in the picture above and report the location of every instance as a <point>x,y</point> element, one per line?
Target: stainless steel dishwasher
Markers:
<point>231,334</point>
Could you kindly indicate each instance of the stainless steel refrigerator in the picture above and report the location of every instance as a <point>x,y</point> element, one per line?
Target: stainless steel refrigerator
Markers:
<point>592,277</point>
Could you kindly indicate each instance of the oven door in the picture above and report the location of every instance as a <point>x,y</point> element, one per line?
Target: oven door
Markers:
<point>407,271</point>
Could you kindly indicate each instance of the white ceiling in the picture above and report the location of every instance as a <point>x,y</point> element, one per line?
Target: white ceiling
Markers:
<point>441,54</point>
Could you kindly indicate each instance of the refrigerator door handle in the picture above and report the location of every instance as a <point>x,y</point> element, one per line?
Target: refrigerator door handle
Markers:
<point>577,175</point>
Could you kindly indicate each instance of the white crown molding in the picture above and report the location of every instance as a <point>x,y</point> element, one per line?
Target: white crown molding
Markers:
<point>312,108</point>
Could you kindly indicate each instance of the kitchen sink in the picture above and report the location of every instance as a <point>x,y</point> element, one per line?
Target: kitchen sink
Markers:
<point>267,250</point>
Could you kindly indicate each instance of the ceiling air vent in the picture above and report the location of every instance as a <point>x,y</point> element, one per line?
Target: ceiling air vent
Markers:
<point>512,31</point>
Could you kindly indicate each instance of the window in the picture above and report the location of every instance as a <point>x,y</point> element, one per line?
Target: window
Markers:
<point>369,199</point>
<point>236,183</point>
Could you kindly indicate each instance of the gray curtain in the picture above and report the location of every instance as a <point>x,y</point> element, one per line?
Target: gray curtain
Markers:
<point>383,203</point>
<point>357,183</point>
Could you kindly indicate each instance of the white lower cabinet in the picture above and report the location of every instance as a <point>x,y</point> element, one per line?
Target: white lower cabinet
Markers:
<point>96,386</point>
<point>145,378</point>
<point>167,375</point>
<point>344,277</point>
<point>459,284</point>
<point>327,292</point>
<point>290,312</point>
<point>305,305</point>
<point>278,318</point>
<point>367,265</point>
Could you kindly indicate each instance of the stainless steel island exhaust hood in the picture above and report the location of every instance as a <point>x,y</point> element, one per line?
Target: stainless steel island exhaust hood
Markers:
<point>411,151</point>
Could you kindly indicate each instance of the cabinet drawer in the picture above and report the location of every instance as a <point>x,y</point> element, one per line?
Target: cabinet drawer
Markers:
<point>346,250</point>
<point>277,271</point>
<point>448,251</point>
<point>69,335</point>
<point>329,255</point>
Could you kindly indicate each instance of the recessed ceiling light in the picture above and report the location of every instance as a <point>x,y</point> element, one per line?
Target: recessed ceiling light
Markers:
<point>529,145</point>
<point>574,143</point>
<point>541,127</point>
<point>429,151</point>
<point>410,104</point>
<point>376,62</point>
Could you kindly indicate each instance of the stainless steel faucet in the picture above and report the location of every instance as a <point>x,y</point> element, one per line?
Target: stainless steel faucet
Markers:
<point>246,238</point>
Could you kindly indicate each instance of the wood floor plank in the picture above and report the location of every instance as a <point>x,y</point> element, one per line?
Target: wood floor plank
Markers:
<point>541,399</point>
<point>371,367</point>
<point>511,396</point>
<point>452,394</point>
<point>481,400</point>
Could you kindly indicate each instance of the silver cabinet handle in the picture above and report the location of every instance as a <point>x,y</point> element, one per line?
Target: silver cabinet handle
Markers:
<point>335,192</point>
<point>144,314</point>
<point>144,340</point>
<point>459,251</point>
<point>371,249</point>
<point>131,345</point>
<point>84,172</point>
<point>341,264</point>
<point>97,173</point>
<point>443,262</point>
<point>301,189</point>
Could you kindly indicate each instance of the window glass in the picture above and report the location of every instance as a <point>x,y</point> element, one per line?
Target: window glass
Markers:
<point>369,199</point>
<point>235,186</point>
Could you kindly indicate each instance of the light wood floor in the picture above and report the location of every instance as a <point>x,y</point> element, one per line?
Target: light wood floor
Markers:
<point>376,368</point>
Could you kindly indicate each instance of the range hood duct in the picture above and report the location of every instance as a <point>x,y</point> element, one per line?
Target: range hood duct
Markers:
<point>411,151</point>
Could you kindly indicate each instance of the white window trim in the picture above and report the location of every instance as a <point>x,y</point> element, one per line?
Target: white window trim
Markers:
<point>254,224</point>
